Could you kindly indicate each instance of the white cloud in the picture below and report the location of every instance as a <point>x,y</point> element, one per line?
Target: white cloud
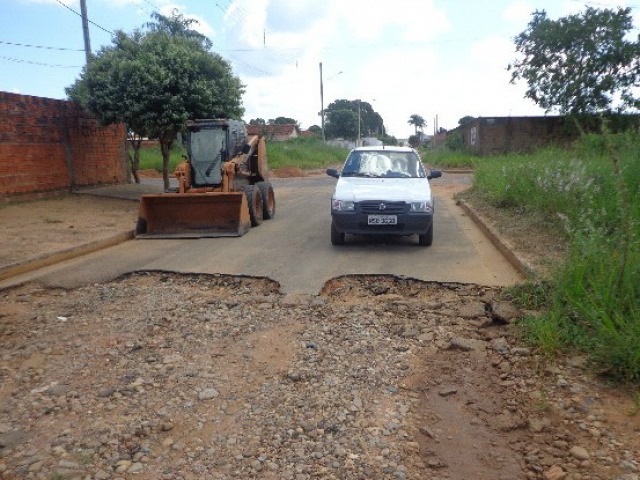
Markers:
<point>518,12</point>
<point>201,24</point>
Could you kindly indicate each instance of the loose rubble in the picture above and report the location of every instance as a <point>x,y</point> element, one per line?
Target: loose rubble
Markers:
<point>167,376</point>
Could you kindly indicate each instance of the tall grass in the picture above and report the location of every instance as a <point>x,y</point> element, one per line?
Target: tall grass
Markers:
<point>304,152</point>
<point>593,190</point>
<point>446,159</point>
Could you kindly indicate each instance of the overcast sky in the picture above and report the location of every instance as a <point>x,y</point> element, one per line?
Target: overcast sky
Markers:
<point>444,58</point>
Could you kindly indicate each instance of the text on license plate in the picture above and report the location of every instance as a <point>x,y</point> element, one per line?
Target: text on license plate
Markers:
<point>383,219</point>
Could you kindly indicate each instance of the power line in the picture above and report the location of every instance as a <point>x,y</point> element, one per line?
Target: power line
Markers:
<point>80,15</point>
<point>18,60</point>
<point>42,46</point>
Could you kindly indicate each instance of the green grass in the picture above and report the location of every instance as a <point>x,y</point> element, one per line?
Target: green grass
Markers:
<point>593,190</point>
<point>151,158</point>
<point>303,152</point>
<point>449,159</point>
<point>307,153</point>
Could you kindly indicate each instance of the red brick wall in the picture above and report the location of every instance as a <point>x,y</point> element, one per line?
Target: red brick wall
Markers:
<point>48,144</point>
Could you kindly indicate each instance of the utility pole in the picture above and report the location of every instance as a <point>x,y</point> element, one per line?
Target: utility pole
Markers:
<point>359,104</point>
<point>85,29</point>
<point>322,103</point>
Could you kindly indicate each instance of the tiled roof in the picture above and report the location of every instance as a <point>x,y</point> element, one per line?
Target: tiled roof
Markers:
<point>272,130</point>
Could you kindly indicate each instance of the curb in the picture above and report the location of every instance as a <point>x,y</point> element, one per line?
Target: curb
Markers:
<point>19,268</point>
<point>503,246</point>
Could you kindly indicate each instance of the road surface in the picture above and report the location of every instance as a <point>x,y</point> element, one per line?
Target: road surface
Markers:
<point>294,248</point>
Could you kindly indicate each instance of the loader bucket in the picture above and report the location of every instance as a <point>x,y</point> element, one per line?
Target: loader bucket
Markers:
<point>193,215</point>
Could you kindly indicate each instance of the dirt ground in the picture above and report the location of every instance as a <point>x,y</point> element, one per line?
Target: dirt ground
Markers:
<point>166,376</point>
<point>33,228</point>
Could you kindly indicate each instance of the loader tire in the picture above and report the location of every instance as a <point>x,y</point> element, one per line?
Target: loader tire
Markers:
<point>141,226</point>
<point>254,199</point>
<point>268,200</point>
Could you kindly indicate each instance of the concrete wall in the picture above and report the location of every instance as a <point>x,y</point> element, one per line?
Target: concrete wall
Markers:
<point>48,145</point>
<point>498,135</point>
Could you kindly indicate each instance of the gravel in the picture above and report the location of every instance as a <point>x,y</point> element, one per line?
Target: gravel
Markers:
<point>169,376</point>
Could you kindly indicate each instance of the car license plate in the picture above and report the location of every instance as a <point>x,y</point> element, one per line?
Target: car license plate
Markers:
<point>383,219</point>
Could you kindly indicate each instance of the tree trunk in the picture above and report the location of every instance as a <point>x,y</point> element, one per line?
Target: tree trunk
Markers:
<point>165,146</point>
<point>136,143</point>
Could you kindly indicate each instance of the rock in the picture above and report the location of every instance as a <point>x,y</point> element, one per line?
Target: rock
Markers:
<point>504,312</point>
<point>555,473</point>
<point>579,453</point>
<point>135,468</point>
<point>466,344</point>
<point>473,309</point>
<point>12,439</point>
<point>538,425</point>
<point>208,394</point>
<point>448,392</point>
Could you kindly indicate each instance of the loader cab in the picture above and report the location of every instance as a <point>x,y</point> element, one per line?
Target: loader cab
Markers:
<point>210,143</point>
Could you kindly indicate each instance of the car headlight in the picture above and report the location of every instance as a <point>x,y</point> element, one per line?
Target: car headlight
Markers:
<point>342,205</point>
<point>421,207</point>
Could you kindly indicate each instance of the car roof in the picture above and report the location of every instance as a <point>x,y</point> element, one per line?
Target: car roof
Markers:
<point>381,148</point>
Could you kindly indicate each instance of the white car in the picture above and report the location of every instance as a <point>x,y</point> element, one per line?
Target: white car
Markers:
<point>382,191</point>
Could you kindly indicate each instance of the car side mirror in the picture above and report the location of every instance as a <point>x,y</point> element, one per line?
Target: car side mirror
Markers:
<point>434,174</point>
<point>332,172</point>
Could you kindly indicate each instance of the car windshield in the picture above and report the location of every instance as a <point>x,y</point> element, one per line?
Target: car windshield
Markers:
<point>383,164</point>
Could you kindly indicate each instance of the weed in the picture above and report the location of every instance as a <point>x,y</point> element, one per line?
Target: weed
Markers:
<point>531,295</point>
<point>593,190</point>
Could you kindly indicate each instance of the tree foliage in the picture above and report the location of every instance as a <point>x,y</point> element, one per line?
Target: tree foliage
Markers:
<point>579,64</point>
<point>257,121</point>
<point>155,80</point>
<point>417,121</point>
<point>338,123</point>
<point>466,120</point>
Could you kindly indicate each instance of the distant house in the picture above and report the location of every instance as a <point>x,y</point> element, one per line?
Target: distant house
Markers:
<point>275,133</point>
<point>307,133</point>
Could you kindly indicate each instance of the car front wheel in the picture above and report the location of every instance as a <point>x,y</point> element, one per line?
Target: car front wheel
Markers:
<point>337,238</point>
<point>426,239</point>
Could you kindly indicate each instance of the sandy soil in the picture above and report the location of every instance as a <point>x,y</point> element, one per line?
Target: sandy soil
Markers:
<point>33,228</point>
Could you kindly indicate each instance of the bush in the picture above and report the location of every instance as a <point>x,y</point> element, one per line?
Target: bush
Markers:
<point>593,190</point>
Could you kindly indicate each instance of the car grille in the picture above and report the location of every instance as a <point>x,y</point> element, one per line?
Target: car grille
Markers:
<point>383,208</point>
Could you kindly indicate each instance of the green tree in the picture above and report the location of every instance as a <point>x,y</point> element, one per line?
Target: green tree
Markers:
<point>341,123</point>
<point>285,121</point>
<point>157,79</point>
<point>257,121</point>
<point>579,64</point>
<point>466,120</point>
<point>371,122</point>
<point>316,129</point>
<point>418,122</point>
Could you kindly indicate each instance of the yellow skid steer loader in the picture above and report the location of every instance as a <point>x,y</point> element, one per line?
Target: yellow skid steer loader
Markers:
<point>223,188</point>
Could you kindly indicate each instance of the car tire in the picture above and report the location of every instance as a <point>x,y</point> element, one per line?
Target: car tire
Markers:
<point>254,199</point>
<point>268,200</point>
<point>337,238</point>
<point>426,240</point>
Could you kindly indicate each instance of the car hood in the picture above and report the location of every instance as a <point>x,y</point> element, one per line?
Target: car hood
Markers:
<point>358,189</point>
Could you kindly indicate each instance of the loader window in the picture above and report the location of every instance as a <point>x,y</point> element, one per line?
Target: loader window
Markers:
<point>206,154</point>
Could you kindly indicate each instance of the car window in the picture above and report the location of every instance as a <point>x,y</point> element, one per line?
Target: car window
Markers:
<point>383,164</point>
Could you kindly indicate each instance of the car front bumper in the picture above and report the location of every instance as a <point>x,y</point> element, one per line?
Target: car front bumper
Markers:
<point>357,224</point>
